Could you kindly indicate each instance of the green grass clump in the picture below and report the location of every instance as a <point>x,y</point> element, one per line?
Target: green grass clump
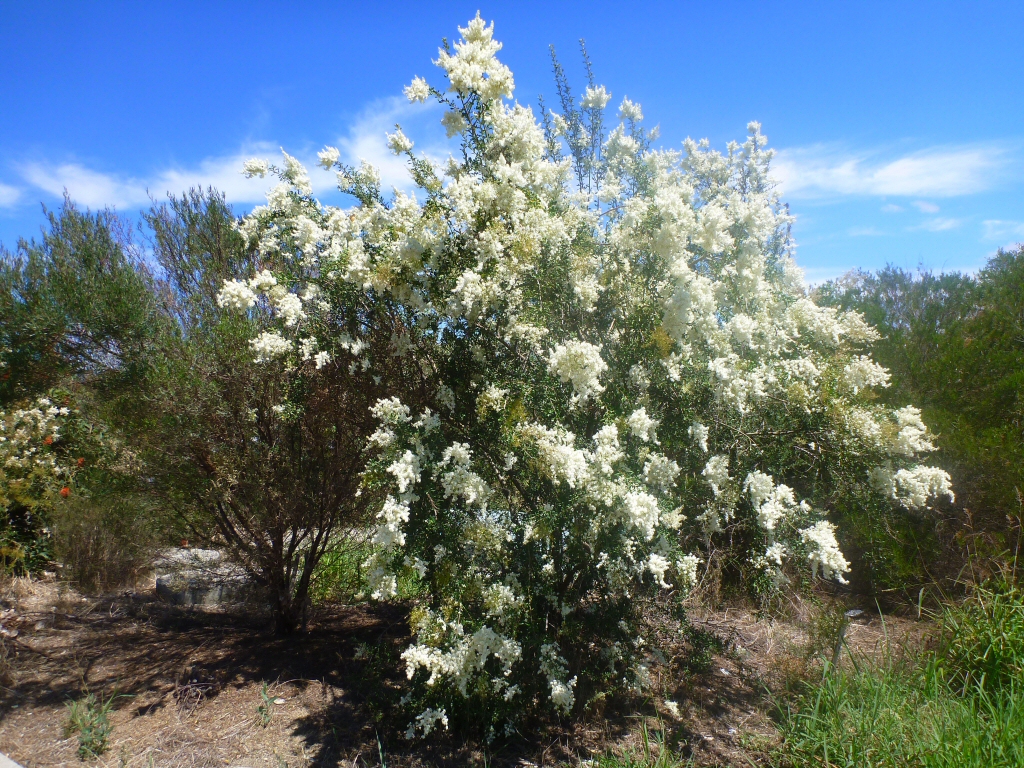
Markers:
<point>88,717</point>
<point>959,706</point>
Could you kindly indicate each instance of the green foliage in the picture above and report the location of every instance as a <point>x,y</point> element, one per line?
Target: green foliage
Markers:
<point>89,718</point>
<point>75,303</point>
<point>953,343</point>
<point>957,707</point>
<point>982,644</point>
<point>253,459</point>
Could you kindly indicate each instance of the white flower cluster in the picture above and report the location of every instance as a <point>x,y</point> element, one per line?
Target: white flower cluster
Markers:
<point>578,362</point>
<point>716,472</point>
<point>643,426</point>
<point>823,551</point>
<point>863,372</point>
<point>553,666</point>
<point>465,656</point>
<point>913,487</point>
<point>772,502</point>
<point>270,345</point>
<point>25,434</point>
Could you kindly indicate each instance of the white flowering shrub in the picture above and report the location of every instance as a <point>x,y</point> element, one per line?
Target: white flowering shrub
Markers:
<point>30,468</point>
<point>612,376</point>
<point>33,475</point>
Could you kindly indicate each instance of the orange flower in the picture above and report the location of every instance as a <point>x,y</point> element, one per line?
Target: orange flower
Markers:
<point>65,491</point>
<point>48,439</point>
<point>81,462</point>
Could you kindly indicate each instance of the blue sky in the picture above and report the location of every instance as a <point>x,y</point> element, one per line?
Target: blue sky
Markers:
<point>899,126</point>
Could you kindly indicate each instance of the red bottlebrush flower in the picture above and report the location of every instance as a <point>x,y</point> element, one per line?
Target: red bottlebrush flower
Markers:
<point>65,491</point>
<point>184,543</point>
<point>81,462</point>
<point>48,439</point>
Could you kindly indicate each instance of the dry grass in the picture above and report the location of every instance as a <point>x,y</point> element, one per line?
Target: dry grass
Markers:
<point>189,685</point>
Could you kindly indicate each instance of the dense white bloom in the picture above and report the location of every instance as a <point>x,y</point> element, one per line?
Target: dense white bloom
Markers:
<point>474,68</point>
<point>716,472</point>
<point>255,167</point>
<point>493,398</point>
<point>678,267</point>
<point>321,359</point>
<point>464,658</point>
<point>236,294</point>
<point>417,90</point>
<point>643,426</point>
<point>863,372</point>
<point>328,156</point>
<point>912,437</point>
<point>596,98</point>
<point>390,411</point>
<point>263,282</point>
<point>642,512</point>
<point>823,551</point>
<point>392,515</point>
<point>406,471</point>
<point>460,481</point>
<point>607,450</point>
<point>289,306</point>
<point>578,362</point>
<point>686,567</point>
<point>630,111</point>
<point>398,142</point>
<point>658,566</point>
<point>562,461</point>
<point>699,434</point>
<point>772,502</point>
<point>660,472</point>
<point>554,668</point>
<point>270,345</point>
<point>426,721</point>
<point>863,425</point>
<point>913,487</point>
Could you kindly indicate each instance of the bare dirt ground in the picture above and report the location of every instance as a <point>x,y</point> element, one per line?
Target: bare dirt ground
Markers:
<point>188,687</point>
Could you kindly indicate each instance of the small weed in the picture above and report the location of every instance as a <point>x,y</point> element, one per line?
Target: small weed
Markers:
<point>88,717</point>
<point>265,709</point>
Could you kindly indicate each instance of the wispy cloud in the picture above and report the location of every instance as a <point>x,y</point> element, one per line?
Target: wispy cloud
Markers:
<point>822,170</point>
<point>97,189</point>
<point>997,229</point>
<point>892,208</point>
<point>9,195</point>
<point>364,140</point>
<point>926,207</point>
<point>939,224</point>
<point>865,232</point>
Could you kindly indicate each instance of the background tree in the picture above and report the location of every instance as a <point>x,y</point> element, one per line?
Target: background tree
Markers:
<point>262,459</point>
<point>955,344</point>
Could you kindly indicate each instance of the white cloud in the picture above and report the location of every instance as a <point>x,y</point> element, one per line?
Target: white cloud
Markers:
<point>939,224</point>
<point>892,208</point>
<point>996,229</point>
<point>97,190</point>
<point>926,207</point>
<point>365,140</point>
<point>821,170</point>
<point>8,195</point>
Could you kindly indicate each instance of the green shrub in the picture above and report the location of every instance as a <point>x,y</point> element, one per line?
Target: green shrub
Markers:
<point>959,706</point>
<point>88,717</point>
<point>982,644</point>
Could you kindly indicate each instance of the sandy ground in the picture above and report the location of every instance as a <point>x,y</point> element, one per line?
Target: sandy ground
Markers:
<point>187,687</point>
